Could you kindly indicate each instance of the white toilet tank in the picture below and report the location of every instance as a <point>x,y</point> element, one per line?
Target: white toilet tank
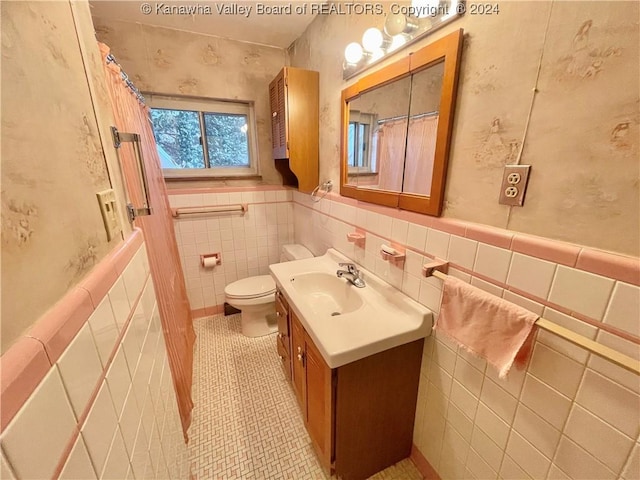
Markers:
<point>294,252</point>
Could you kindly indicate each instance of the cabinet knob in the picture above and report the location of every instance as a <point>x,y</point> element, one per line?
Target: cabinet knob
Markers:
<point>281,357</point>
<point>281,335</point>
<point>278,314</point>
<point>274,114</point>
<point>300,357</point>
<point>299,350</point>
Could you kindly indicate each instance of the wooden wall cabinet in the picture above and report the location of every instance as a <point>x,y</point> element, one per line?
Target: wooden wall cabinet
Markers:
<point>359,416</point>
<point>294,98</point>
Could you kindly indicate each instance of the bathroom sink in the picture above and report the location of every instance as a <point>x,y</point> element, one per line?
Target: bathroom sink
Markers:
<point>348,323</point>
<point>326,293</point>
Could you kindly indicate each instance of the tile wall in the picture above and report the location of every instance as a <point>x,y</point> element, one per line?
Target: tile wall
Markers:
<point>569,414</point>
<point>106,408</point>
<point>248,243</point>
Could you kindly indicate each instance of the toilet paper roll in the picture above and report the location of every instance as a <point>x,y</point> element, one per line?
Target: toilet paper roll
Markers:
<point>209,262</point>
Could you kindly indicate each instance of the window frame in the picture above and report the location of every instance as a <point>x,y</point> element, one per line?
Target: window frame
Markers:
<point>203,106</point>
<point>369,122</point>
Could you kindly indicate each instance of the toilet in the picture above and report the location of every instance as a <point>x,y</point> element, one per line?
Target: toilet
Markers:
<point>255,296</point>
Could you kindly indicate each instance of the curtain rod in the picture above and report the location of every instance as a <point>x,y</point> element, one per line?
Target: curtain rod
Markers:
<point>410,117</point>
<point>125,78</point>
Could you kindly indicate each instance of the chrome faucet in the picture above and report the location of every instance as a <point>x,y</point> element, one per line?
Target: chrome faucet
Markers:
<point>351,273</point>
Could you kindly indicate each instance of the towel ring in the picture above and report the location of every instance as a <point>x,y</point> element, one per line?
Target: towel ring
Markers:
<point>325,187</point>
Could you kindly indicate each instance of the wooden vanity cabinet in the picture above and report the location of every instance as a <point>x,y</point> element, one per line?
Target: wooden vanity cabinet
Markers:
<point>359,416</point>
<point>294,99</point>
<point>284,337</point>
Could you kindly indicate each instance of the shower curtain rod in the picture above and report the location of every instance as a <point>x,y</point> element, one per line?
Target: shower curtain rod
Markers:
<point>410,117</point>
<point>125,78</point>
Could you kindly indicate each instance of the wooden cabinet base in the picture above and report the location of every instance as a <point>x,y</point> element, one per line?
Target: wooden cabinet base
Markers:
<point>375,411</point>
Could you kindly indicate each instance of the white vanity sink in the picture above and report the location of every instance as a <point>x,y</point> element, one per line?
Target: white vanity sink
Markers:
<point>345,322</point>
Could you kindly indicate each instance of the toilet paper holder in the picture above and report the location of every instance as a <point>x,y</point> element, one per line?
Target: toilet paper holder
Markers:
<point>208,260</point>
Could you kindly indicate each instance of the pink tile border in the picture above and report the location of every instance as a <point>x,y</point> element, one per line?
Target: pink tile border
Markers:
<point>226,189</point>
<point>612,265</point>
<point>56,328</point>
<point>30,358</point>
<point>22,368</point>
<point>545,249</point>
<point>423,466</point>
<point>625,269</point>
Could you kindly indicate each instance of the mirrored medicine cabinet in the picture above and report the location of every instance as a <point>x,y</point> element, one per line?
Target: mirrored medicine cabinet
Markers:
<point>396,129</point>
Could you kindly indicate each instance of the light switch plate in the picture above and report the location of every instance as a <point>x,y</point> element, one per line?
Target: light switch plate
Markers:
<point>109,210</point>
<point>514,185</point>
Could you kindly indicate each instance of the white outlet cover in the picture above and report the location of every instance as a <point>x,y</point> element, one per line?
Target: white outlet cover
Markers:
<point>109,210</point>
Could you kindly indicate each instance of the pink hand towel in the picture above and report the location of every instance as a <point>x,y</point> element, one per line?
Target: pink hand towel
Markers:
<point>485,325</point>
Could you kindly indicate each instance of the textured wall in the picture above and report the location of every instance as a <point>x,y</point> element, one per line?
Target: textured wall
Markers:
<point>584,121</point>
<point>52,163</point>
<point>174,62</point>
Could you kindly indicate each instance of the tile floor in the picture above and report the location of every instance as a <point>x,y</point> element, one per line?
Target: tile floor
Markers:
<point>246,422</point>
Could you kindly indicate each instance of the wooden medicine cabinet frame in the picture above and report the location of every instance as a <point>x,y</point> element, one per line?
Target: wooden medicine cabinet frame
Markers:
<point>447,50</point>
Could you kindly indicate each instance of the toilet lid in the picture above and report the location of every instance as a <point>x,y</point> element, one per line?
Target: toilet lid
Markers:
<point>258,286</point>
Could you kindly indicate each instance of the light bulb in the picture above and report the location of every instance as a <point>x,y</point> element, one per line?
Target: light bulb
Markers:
<point>372,39</point>
<point>395,24</point>
<point>353,53</point>
<point>377,54</point>
<point>397,41</point>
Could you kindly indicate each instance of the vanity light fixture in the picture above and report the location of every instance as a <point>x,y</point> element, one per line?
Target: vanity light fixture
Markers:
<point>354,53</point>
<point>403,25</point>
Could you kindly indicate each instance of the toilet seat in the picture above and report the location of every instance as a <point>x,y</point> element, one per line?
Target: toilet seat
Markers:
<point>251,287</point>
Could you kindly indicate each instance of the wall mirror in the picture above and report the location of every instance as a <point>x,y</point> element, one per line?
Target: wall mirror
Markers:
<point>396,129</point>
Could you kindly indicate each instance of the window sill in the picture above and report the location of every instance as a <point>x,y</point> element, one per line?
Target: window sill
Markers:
<point>180,178</point>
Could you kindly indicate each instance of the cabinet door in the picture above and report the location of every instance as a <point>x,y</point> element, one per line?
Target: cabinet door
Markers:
<point>320,400</point>
<point>278,100</point>
<point>298,360</point>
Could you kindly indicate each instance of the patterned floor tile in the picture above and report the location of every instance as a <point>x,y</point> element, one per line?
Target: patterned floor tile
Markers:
<point>246,421</point>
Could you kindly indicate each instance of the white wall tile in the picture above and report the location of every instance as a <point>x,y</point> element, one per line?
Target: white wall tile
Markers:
<point>510,470</point>
<point>117,462</point>
<point>531,275</point>
<point>537,431</point>
<point>461,422</point>
<point>462,251</point>
<point>399,231</point>
<point>581,292</point>
<point>464,399</point>
<point>119,380</point>
<point>78,465</point>
<point>478,467</point>
<point>530,305</point>
<point>556,474</point>
<point>129,420</point>
<point>632,468</point>
<point>134,276</point>
<point>104,329</point>
<point>556,370</point>
<point>417,237</point>
<point>44,425</point>
<point>527,456</point>
<point>598,438</point>
<point>492,262</point>
<point>80,369</point>
<point>430,296</point>
<point>578,464</point>
<point>498,400</point>
<point>5,469</point>
<point>438,243</point>
<point>624,308</point>
<point>468,376</point>
<point>609,369</point>
<point>444,356</point>
<point>496,428</point>
<point>119,303</point>
<point>545,401</point>
<point>487,449</point>
<point>565,347</point>
<point>440,378</point>
<point>611,402</point>
<point>98,429</point>
<point>454,446</point>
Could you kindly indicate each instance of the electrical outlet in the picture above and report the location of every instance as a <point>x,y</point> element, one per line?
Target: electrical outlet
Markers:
<point>514,185</point>
<point>108,208</point>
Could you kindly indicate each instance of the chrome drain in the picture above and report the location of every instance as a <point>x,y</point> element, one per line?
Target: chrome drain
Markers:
<point>335,314</point>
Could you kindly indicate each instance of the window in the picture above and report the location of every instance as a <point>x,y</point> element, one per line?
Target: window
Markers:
<point>361,142</point>
<point>204,138</point>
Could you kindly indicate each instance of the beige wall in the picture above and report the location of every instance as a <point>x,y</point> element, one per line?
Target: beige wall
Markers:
<point>582,140</point>
<point>52,160</point>
<point>174,62</point>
